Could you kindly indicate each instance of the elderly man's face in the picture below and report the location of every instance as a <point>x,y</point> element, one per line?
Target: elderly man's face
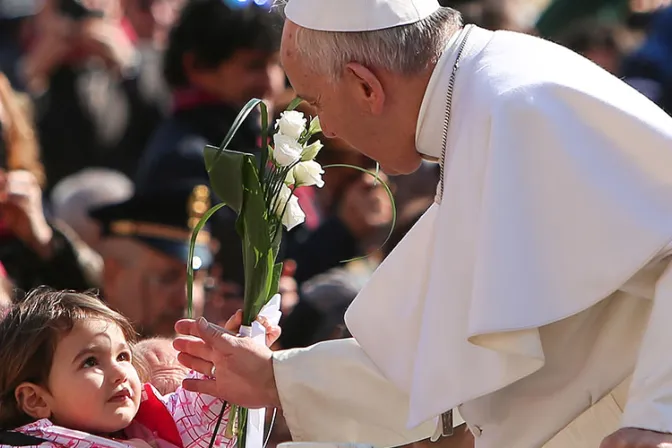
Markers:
<point>149,288</point>
<point>356,108</point>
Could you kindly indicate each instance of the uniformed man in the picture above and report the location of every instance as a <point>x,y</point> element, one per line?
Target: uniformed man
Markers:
<point>145,247</point>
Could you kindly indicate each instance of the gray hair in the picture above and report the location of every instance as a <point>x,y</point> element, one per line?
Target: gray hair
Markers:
<point>405,50</point>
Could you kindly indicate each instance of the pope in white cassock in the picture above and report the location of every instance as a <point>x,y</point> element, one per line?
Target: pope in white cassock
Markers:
<point>537,282</point>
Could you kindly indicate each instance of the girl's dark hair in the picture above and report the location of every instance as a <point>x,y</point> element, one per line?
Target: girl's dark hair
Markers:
<point>213,31</point>
<point>29,334</point>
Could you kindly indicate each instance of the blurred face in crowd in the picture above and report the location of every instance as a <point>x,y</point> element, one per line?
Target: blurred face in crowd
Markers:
<point>148,287</point>
<point>152,19</point>
<point>246,74</point>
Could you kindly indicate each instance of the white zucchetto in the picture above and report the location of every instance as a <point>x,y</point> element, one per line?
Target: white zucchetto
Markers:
<point>358,15</point>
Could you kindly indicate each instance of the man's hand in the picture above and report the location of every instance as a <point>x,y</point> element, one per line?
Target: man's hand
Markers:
<point>637,438</point>
<point>109,42</point>
<point>243,368</point>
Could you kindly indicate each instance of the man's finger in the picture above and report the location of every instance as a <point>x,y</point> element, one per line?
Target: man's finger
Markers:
<point>204,386</point>
<point>220,339</point>
<point>186,327</point>
<point>194,347</point>
<point>194,363</point>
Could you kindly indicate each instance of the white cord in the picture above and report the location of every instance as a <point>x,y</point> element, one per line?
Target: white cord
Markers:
<point>270,428</point>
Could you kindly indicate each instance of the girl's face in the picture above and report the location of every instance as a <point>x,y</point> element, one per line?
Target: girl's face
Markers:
<point>92,385</point>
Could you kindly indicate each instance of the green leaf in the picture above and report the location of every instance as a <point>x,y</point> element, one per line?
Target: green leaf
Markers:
<point>387,190</point>
<point>190,265</point>
<point>275,282</point>
<point>225,170</point>
<point>254,208</point>
<point>314,127</point>
<point>310,151</point>
<point>295,103</point>
<point>265,291</point>
<point>258,272</point>
<point>242,115</point>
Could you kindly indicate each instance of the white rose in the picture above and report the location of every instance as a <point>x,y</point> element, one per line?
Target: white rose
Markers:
<point>288,205</point>
<point>293,214</point>
<point>291,123</point>
<point>283,196</point>
<point>308,173</point>
<point>287,150</point>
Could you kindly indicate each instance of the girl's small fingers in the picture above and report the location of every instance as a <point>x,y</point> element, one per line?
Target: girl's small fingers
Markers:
<point>272,335</point>
<point>263,321</point>
<point>234,322</point>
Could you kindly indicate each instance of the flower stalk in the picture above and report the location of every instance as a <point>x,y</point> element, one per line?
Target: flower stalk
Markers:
<point>261,191</point>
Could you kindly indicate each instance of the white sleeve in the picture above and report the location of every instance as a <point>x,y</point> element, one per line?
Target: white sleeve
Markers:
<point>649,402</point>
<point>332,392</point>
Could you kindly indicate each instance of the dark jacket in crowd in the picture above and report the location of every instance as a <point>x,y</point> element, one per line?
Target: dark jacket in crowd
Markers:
<point>177,147</point>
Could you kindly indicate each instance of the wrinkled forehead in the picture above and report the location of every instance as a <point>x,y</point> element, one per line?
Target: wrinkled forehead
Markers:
<point>300,76</point>
<point>288,44</point>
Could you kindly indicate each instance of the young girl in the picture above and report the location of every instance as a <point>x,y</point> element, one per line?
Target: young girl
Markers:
<point>67,379</point>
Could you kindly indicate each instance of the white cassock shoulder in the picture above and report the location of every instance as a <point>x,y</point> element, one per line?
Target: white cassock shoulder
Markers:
<point>557,191</point>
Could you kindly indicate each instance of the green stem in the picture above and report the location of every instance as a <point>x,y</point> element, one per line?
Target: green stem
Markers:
<point>264,137</point>
<point>190,265</point>
<point>231,427</point>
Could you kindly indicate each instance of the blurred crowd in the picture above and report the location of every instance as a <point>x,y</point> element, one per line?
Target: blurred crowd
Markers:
<point>106,105</point>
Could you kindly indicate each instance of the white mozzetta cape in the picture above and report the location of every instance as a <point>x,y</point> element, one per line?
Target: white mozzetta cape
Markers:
<point>558,190</point>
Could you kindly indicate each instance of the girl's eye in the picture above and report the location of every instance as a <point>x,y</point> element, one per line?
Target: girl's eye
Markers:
<point>124,356</point>
<point>90,362</point>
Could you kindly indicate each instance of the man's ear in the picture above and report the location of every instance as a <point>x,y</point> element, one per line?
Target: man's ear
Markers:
<point>33,400</point>
<point>367,86</point>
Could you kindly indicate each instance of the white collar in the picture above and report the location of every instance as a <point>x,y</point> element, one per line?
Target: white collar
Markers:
<point>429,129</point>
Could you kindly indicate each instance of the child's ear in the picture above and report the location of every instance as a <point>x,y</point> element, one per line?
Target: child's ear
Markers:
<point>33,400</point>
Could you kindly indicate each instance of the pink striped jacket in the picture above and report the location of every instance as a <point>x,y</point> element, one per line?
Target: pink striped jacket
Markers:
<point>182,419</point>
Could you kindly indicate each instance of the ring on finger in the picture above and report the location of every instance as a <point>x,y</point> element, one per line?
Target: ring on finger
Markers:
<point>213,371</point>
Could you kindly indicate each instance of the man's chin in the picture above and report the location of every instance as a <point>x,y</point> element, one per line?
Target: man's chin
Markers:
<point>398,171</point>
